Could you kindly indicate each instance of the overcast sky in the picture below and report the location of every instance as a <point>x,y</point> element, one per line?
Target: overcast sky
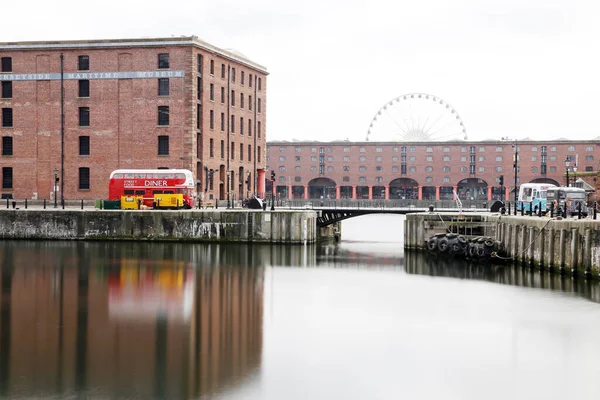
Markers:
<point>517,68</point>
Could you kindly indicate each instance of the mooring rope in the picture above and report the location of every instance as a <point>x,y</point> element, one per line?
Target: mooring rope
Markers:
<point>494,254</point>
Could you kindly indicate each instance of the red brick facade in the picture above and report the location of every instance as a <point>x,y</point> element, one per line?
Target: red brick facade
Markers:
<point>123,104</point>
<point>425,170</point>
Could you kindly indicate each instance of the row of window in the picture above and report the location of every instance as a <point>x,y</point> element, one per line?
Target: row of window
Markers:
<point>427,158</point>
<point>412,169</point>
<point>84,145</point>
<point>232,74</point>
<point>232,124</point>
<point>83,178</point>
<point>431,149</point>
<point>233,97</point>
<point>211,151</point>
<point>362,179</point>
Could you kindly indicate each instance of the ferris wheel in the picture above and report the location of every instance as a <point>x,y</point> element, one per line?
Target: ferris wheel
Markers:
<point>416,117</point>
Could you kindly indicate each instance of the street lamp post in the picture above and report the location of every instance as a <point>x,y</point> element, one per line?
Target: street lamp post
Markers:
<point>516,167</point>
<point>569,167</point>
<point>55,184</point>
<point>228,188</point>
<point>272,190</point>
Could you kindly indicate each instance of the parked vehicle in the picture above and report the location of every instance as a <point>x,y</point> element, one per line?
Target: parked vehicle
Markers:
<point>532,196</point>
<point>567,199</point>
<point>158,188</point>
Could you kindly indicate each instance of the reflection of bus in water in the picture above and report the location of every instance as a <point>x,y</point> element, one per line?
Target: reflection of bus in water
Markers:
<point>148,182</point>
<point>532,196</point>
<point>161,288</point>
<point>567,199</point>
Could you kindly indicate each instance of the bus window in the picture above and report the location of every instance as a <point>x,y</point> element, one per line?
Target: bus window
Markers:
<point>180,176</point>
<point>158,175</point>
<point>140,192</point>
<point>118,176</point>
<point>157,192</point>
<point>169,176</point>
<point>169,192</point>
<point>128,192</point>
<point>140,176</point>
<point>129,176</point>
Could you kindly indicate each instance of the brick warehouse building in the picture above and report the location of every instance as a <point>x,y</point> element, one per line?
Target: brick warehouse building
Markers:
<point>140,103</point>
<point>425,170</point>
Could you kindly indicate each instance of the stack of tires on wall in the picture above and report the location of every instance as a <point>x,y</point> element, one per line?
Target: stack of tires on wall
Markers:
<point>474,248</point>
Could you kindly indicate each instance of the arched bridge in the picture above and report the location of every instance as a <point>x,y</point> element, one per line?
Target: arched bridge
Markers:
<point>332,211</point>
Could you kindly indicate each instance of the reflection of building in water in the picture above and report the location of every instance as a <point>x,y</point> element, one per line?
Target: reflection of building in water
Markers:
<point>65,329</point>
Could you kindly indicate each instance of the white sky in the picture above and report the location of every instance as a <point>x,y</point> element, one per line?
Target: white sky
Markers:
<point>517,68</point>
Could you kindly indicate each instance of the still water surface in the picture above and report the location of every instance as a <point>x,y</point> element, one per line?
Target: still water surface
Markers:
<point>358,320</point>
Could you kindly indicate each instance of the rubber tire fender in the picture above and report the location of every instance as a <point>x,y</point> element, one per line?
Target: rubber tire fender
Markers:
<point>432,243</point>
<point>480,252</point>
<point>442,245</point>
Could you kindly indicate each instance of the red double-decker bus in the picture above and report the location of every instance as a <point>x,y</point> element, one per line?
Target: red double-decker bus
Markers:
<point>146,183</point>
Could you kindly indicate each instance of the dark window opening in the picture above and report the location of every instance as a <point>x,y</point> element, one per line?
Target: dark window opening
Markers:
<point>7,178</point>
<point>84,88</point>
<point>83,63</point>
<point>163,145</point>
<point>163,115</point>
<point>84,178</point>
<point>7,117</point>
<point>84,145</point>
<point>7,146</point>
<point>163,61</point>
<point>163,86</point>
<point>6,64</point>
<point>84,116</point>
<point>7,91</point>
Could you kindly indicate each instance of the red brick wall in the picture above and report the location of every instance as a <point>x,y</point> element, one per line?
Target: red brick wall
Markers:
<point>123,117</point>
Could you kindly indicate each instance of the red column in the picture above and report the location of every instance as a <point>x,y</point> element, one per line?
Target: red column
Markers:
<point>437,192</point>
<point>353,192</point>
<point>455,188</point>
<point>290,192</point>
<point>387,192</point>
<point>260,183</point>
<point>337,192</point>
<point>370,192</point>
<point>489,193</point>
<point>507,193</point>
<point>420,192</point>
<point>306,192</point>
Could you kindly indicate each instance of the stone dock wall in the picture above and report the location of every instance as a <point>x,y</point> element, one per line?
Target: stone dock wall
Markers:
<point>561,245</point>
<point>285,227</point>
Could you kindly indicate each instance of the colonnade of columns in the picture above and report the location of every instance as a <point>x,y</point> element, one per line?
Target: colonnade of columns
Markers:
<point>387,192</point>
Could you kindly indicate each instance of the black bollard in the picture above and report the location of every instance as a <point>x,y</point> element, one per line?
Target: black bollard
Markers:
<point>26,204</point>
<point>14,204</point>
<point>62,202</point>
<point>508,208</point>
<point>552,210</point>
<point>522,209</point>
<point>82,204</point>
<point>7,206</point>
<point>44,204</point>
<point>431,208</point>
<point>595,209</point>
<point>578,210</point>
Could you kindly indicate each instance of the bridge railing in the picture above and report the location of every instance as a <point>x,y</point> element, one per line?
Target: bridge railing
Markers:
<point>354,204</point>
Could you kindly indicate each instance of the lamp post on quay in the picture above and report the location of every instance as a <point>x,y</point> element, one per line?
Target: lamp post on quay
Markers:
<point>569,167</point>
<point>515,147</point>
<point>56,179</point>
